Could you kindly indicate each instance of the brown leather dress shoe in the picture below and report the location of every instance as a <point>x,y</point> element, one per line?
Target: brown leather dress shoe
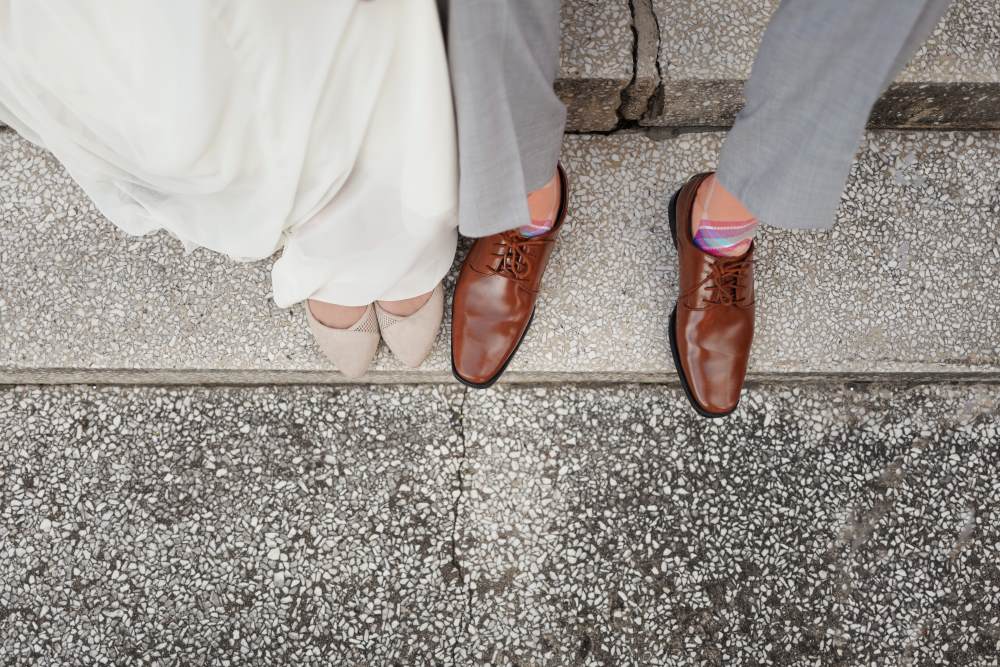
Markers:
<point>711,328</point>
<point>495,299</point>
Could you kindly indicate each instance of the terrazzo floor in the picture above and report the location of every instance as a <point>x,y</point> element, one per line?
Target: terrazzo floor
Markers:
<point>887,290</point>
<point>823,524</point>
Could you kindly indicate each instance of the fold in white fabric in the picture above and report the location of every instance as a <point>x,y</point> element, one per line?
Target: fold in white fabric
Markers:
<point>325,128</point>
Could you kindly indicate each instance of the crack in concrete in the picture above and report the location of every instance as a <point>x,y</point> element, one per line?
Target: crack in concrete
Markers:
<point>627,96</point>
<point>656,96</point>
<point>458,423</point>
<point>638,95</point>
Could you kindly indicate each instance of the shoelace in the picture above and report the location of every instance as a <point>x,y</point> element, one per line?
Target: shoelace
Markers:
<point>513,252</point>
<point>725,280</point>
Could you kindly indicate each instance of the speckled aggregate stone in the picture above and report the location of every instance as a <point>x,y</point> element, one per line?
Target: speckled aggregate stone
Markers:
<point>719,39</point>
<point>852,525</point>
<point>596,61</point>
<point>902,284</point>
<point>707,49</point>
<point>232,526</point>
<point>108,300</point>
<point>578,525</point>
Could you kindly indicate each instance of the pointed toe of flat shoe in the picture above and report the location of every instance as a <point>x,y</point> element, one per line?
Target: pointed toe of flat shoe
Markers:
<point>351,350</point>
<point>352,366</point>
<point>412,338</point>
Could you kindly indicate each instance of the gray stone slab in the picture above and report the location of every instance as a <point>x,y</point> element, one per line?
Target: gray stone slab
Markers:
<point>596,62</point>
<point>902,284</point>
<point>847,525</point>
<point>707,49</point>
<point>232,526</point>
<point>821,524</point>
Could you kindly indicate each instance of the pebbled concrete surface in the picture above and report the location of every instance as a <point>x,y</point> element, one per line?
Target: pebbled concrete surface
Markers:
<point>586,525</point>
<point>596,62</point>
<point>244,526</point>
<point>823,525</point>
<point>889,290</point>
<point>707,49</point>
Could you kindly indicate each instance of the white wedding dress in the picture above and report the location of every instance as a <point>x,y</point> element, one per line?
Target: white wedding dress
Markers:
<point>323,127</point>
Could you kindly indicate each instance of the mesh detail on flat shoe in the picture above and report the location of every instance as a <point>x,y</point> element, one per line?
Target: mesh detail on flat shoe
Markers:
<point>385,319</point>
<point>367,323</point>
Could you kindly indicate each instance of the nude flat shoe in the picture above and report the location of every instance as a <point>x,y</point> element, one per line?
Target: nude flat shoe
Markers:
<point>411,338</point>
<point>351,350</point>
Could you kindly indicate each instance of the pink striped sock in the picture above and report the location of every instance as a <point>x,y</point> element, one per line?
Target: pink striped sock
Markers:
<point>536,228</point>
<point>725,238</point>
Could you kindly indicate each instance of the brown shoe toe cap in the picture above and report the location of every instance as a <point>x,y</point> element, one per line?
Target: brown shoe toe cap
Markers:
<point>714,379</point>
<point>480,360</point>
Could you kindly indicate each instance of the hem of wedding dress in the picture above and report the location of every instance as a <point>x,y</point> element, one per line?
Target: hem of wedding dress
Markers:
<point>422,278</point>
<point>349,298</point>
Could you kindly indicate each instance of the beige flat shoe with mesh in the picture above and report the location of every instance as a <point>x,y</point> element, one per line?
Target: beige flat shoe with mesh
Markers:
<point>351,350</point>
<point>411,338</point>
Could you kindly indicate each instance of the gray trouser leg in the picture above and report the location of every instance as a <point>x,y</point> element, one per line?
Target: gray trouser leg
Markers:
<point>504,56</point>
<point>821,67</point>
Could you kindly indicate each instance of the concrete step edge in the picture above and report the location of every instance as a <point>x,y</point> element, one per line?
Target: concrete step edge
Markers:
<point>688,62</point>
<point>910,105</point>
<point>264,377</point>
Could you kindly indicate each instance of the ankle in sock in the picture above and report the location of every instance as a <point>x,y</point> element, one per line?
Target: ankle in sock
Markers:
<point>724,228</point>
<point>725,238</point>
<point>536,228</point>
<point>543,205</point>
